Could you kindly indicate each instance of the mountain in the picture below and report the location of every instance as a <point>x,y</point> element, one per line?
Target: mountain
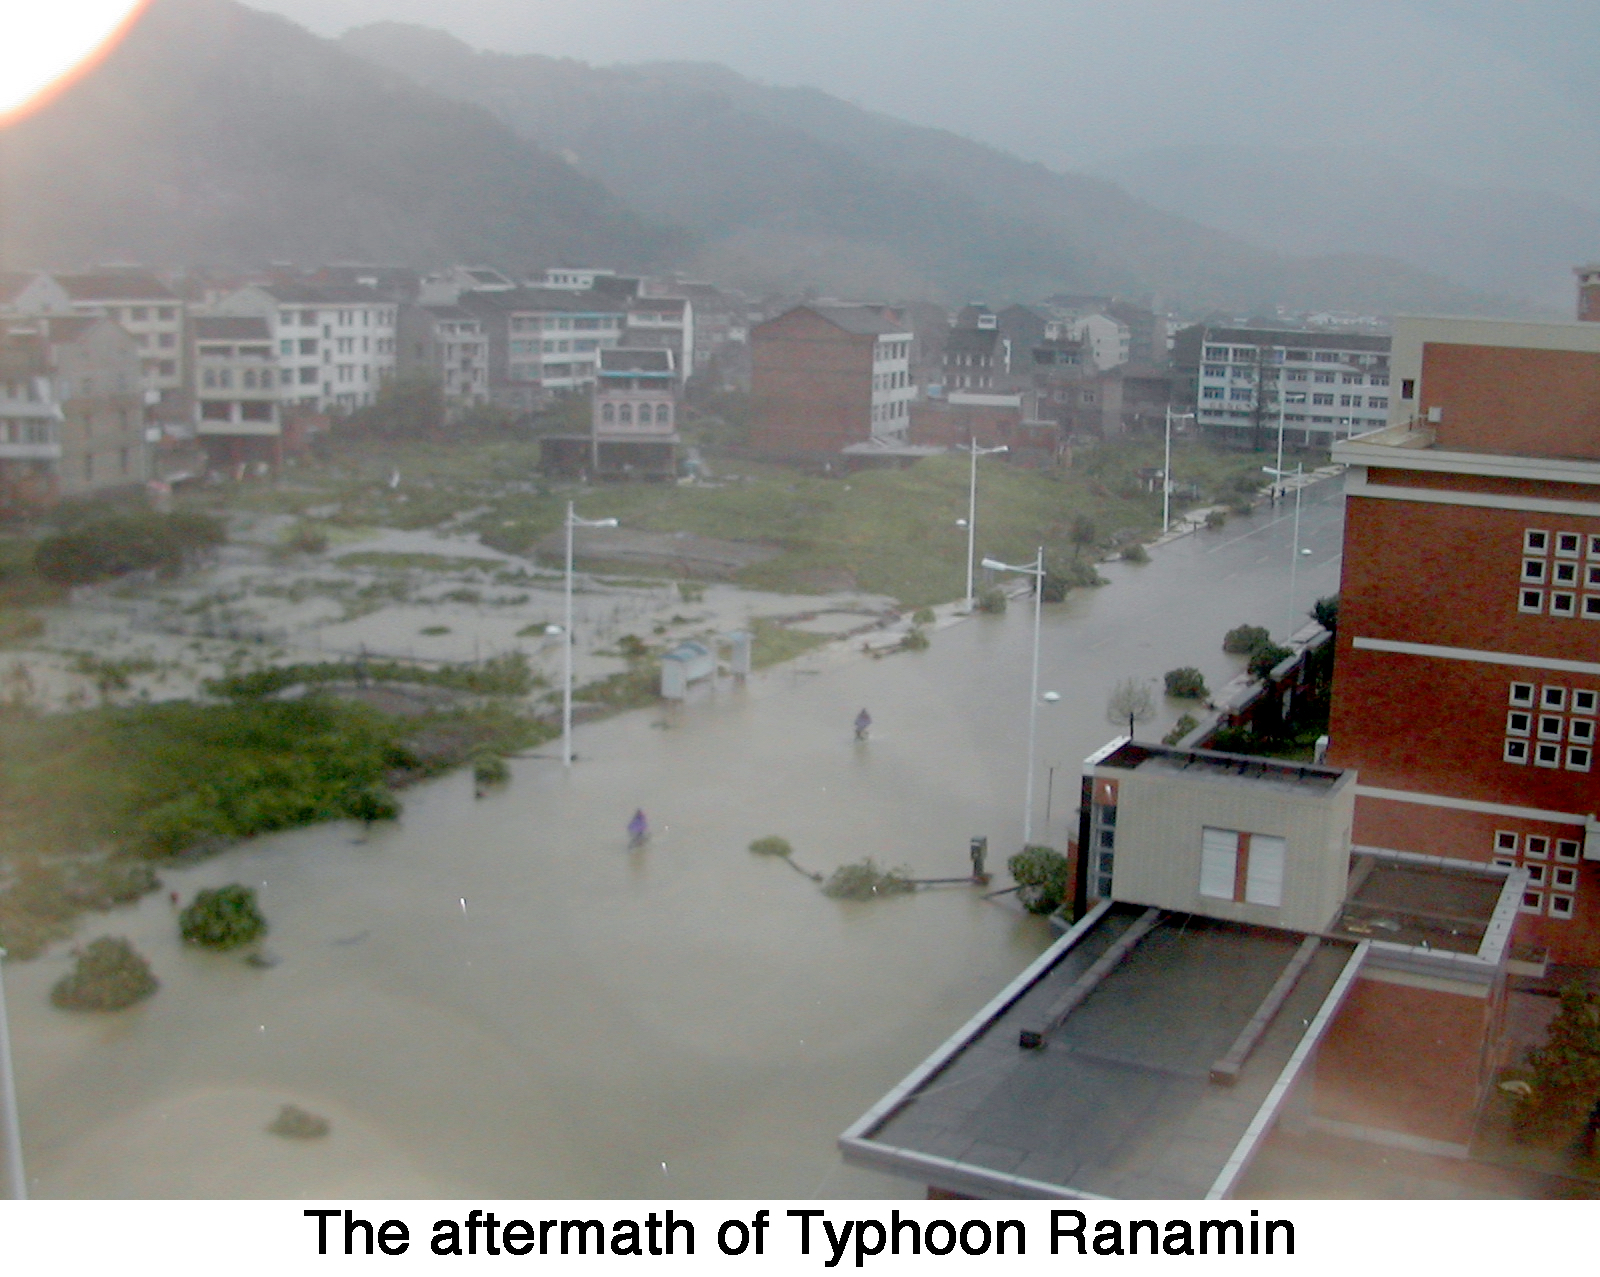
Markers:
<point>1519,242</point>
<point>215,134</point>
<point>789,187</point>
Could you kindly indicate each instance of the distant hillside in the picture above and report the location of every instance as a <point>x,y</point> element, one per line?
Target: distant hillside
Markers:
<point>1519,242</point>
<point>215,134</point>
<point>792,187</point>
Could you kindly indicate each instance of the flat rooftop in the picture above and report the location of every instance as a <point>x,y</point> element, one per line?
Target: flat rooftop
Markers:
<point>1428,906</point>
<point>1210,762</point>
<point>1119,1101</point>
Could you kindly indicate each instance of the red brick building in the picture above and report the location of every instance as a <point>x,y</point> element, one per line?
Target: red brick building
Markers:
<point>1467,685</point>
<point>827,376</point>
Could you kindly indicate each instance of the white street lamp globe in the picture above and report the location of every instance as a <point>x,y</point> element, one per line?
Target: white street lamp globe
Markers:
<point>1052,697</point>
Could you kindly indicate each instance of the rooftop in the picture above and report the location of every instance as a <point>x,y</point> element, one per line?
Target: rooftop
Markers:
<point>231,328</point>
<point>116,286</point>
<point>1120,1100</point>
<point>629,360</point>
<point>1133,756</point>
<point>861,319</point>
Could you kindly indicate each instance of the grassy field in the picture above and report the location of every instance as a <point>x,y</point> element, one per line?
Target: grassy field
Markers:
<point>892,532</point>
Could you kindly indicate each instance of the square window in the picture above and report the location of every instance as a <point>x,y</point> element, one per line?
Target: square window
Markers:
<point>1518,723</point>
<point>1581,730</point>
<point>1566,848</point>
<point>1505,840</point>
<point>1503,863</point>
<point>1568,544</point>
<point>1536,875</point>
<point>1561,906</point>
<point>1538,846</point>
<point>1516,751</point>
<point>1547,755</point>
<point>1583,700</point>
<point>1535,542</point>
<point>1567,878</point>
<point>1550,726</point>
<point>1563,604</point>
<point>1565,574</point>
<point>1531,601</point>
<point>1533,570</point>
<point>1522,693</point>
<point>1532,902</point>
<point>1578,758</point>
<point>1591,606</point>
<point>1553,698</point>
<point>1591,575</point>
<point>1594,545</point>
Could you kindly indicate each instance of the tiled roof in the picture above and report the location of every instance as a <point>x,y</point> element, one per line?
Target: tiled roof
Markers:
<point>116,286</point>
<point>230,328</point>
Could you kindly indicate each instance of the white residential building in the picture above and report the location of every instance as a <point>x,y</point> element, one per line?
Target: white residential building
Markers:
<point>155,317</point>
<point>450,345</point>
<point>334,346</point>
<point>892,388</point>
<point>663,323</point>
<point>1108,340</point>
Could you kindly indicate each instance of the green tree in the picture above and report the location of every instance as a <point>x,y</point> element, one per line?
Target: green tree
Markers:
<point>1130,702</point>
<point>1082,534</point>
<point>109,974</point>
<point>409,405</point>
<point>1242,640</point>
<point>1186,683</point>
<point>1266,658</point>
<point>223,918</point>
<point>1325,612</point>
<point>1566,1069</point>
<point>1043,878</point>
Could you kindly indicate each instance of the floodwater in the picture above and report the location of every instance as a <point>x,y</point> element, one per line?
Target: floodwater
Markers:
<point>496,999</point>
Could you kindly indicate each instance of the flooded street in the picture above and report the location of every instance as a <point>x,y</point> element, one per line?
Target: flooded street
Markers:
<point>496,999</point>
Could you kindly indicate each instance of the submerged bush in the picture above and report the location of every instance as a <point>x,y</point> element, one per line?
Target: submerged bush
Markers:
<point>490,770</point>
<point>1186,683</point>
<point>865,881</point>
<point>1042,876</point>
<point>1242,640</point>
<point>1186,723</point>
<point>223,918</point>
<point>772,845</point>
<point>109,974</point>
<point>991,599</point>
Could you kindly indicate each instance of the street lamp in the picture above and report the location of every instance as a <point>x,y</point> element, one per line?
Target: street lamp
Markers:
<point>1036,571</point>
<point>1166,472</point>
<point>1294,564</point>
<point>972,506</point>
<point>573,521</point>
<point>15,1186</point>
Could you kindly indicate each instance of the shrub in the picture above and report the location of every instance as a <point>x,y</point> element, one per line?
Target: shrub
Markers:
<point>1216,518</point>
<point>490,770</point>
<point>922,616</point>
<point>109,974</point>
<point>1242,640</point>
<point>865,881</point>
<point>991,599</point>
<point>691,591</point>
<point>913,640</point>
<point>1135,553</point>
<point>1071,575</point>
<point>1566,1069</point>
<point>1266,657</point>
<point>433,630</point>
<point>125,543</point>
<point>1186,723</point>
<point>1186,683</point>
<point>223,918</point>
<point>1325,612</point>
<point>1042,877</point>
<point>772,845</point>
<point>370,804</point>
<point>306,538</point>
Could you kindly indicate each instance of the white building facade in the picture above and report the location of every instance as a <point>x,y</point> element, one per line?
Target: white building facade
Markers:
<point>892,387</point>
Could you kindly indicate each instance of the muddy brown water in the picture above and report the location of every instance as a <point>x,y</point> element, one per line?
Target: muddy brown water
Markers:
<point>496,998</point>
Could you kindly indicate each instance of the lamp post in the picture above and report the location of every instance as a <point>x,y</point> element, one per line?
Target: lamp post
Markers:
<point>1166,472</point>
<point>972,506</point>
<point>573,521</point>
<point>1279,476</point>
<point>15,1185</point>
<point>1036,571</point>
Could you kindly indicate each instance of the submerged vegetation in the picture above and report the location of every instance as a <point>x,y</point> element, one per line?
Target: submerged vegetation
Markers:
<point>865,881</point>
<point>223,918</point>
<point>108,974</point>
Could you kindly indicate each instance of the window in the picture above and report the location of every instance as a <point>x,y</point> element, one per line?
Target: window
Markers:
<point>1532,902</point>
<point>1579,758</point>
<point>1530,601</point>
<point>308,345</point>
<point>1591,607</point>
<point>1324,400</point>
<point>1522,693</point>
<point>1561,906</point>
<point>1564,573</point>
<point>1583,700</point>
<point>1535,542</point>
<point>663,414</point>
<point>1516,751</point>
<point>1518,723</point>
<point>1228,856</point>
<point>1563,604</point>
<point>1264,870</point>
<point>1377,401</point>
<point>1553,698</point>
<point>1567,544</point>
<point>1545,755</point>
<point>1566,848</point>
<point>1353,379</point>
<point>1324,378</point>
<point>1536,875</point>
<point>1211,392</point>
<point>1581,729</point>
<point>1219,858</point>
<point>1505,840</point>
<point>1567,878</point>
<point>1533,570</point>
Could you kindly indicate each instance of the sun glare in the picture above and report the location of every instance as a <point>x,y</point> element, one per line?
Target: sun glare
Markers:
<point>47,44</point>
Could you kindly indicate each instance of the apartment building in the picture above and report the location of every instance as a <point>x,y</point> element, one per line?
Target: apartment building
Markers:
<point>334,345</point>
<point>30,423</point>
<point>237,390</point>
<point>448,344</point>
<point>663,323</point>
<point>1467,687</point>
<point>826,376</point>
<point>1320,386</point>
<point>154,314</point>
<point>544,341</point>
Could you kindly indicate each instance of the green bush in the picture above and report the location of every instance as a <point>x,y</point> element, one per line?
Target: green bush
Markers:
<point>1135,553</point>
<point>772,845</point>
<point>1042,877</point>
<point>1186,683</point>
<point>109,974</point>
<point>490,770</point>
<point>1216,518</point>
<point>922,616</point>
<point>1325,612</point>
<point>1565,1082</point>
<point>991,599</point>
<point>1186,723</point>
<point>1266,657</point>
<point>865,881</point>
<point>223,918</point>
<point>125,543</point>
<point>1242,640</point>
<point>914,640</point>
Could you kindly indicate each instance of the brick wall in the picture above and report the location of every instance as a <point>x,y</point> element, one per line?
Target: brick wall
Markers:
<point>1541,403</point>
<point>812,386</point>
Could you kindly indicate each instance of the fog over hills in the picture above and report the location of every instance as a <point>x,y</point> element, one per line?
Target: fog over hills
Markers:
<point>215,134</point>
<point>1522,242</point>
<point>789,187</point>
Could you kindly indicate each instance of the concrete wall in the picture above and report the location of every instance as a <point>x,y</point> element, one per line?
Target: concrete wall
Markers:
<point>1161,814</point>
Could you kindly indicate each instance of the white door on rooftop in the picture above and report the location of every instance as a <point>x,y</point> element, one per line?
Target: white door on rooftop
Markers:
<point>1219,861</point>
<point>1264,873</point>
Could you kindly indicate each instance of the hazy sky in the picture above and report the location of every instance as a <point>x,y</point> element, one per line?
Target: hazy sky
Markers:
<point>1501,91</point>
